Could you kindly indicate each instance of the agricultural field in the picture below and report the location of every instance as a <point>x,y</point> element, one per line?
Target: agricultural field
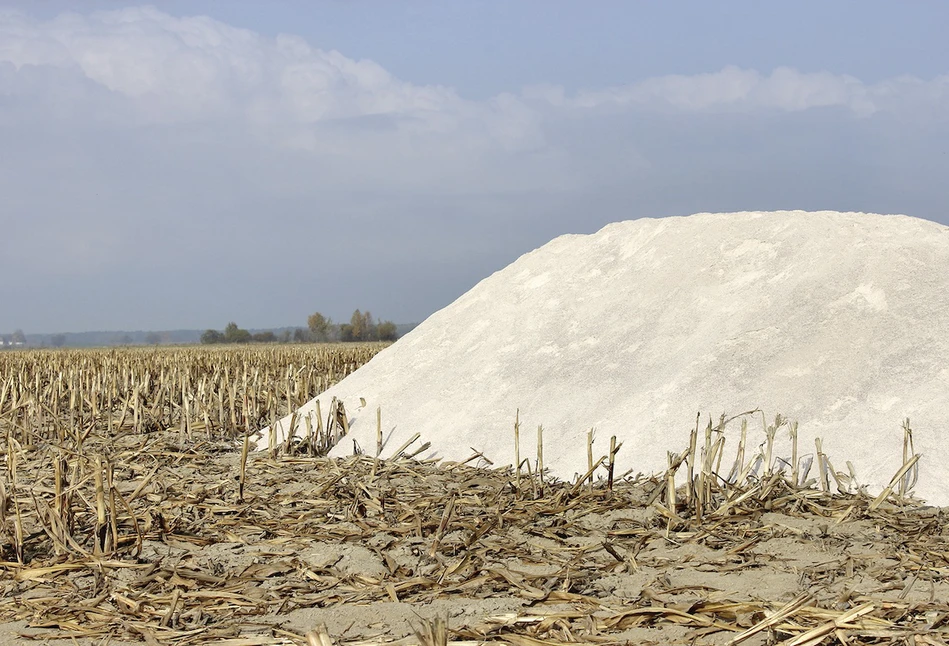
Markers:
<point>132,511</point>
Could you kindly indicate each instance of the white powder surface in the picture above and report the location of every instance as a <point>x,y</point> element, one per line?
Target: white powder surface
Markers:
<point>839,321</point>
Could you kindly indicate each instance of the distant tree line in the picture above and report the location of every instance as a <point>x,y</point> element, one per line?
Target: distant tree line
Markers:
<point>234,334</point>
<point>13,340</point>
<point>320,328</point>
<point>361,327</point>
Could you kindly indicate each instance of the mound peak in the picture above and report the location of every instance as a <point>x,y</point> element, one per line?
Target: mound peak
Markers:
<point>839,321</point>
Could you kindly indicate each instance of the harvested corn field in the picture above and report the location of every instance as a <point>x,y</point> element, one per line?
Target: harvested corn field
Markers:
<point>219,392</point>
<point>142,518</point>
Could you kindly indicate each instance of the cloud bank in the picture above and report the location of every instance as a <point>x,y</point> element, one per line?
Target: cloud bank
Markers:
<point>147,147</point>
<point>153,68</point>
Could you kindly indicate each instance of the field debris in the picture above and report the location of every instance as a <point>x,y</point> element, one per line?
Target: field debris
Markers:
<point>115,525</point>
<point>182,560</point>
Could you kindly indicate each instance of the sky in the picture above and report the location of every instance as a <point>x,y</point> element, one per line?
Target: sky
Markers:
<point>189,163</point>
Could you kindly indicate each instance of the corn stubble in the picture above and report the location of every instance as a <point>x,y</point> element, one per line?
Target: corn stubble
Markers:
<point>121,467</point>
<point>69,417</point>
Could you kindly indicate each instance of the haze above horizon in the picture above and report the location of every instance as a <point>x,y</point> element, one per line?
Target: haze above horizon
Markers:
<point>186,164</point>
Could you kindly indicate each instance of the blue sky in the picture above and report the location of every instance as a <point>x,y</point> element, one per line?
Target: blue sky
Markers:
<point>189,163</point>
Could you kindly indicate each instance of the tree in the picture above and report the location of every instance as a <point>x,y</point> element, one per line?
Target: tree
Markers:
<point>356,326</point>
<point>299,335</point>
<point>264,337</point>
<point>387,331</point>
<point>18,337</point>
<point>234,334</point>
<point>346,332</point>
<point>212,336</point>
<point>319,326</point>
<point>368,327</point>
<point>152,338</point>
<point>362,326</point>
<point>57,340</point>
<point>230,331</point>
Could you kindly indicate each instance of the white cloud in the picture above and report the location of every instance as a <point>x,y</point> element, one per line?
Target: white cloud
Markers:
<point>162,69</point>
<point>139,66</point>
<point>193,91</point>
<point>784,89</point>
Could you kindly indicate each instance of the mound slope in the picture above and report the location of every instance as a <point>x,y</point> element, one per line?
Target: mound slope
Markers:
<point>837,320</point>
